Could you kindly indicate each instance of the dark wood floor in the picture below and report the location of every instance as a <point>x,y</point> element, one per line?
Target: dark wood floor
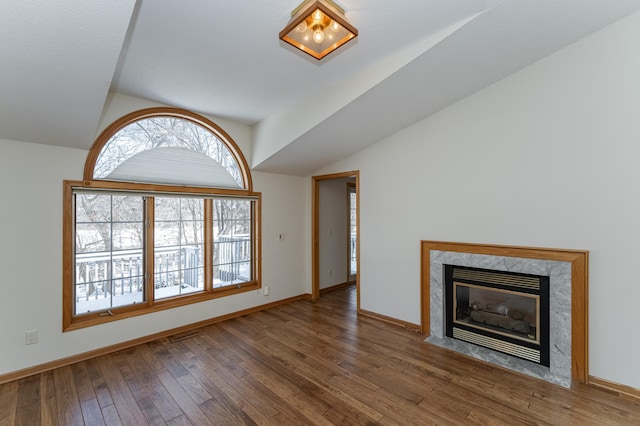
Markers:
<point>302,363</point>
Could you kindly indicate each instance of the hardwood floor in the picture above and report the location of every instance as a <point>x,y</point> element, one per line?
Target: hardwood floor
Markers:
<point>300,364</point>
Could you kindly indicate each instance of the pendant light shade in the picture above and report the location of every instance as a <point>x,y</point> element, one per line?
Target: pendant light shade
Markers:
<point>318,27</point>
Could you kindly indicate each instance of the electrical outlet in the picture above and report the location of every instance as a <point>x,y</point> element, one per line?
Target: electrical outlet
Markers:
<point>31,337</point>
<point>330,271</point>
<point>281,236</point>
<point>265,290</point>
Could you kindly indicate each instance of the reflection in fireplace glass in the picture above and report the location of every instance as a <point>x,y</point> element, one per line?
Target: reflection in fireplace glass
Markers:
<point>504,312</point>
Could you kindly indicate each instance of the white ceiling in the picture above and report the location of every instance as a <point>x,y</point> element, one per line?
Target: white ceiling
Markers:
<point>59,59</point>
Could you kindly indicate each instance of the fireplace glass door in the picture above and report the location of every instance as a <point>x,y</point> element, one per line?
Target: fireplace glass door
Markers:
<point>503,311</point>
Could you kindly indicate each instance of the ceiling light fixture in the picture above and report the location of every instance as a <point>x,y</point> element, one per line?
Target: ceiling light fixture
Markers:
<point>318,27</point>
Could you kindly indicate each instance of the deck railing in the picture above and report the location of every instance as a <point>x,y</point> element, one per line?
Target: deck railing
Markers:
<point>99,275</point>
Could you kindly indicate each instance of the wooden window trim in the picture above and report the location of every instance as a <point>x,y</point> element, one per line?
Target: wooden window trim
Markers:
<point>73,322</point>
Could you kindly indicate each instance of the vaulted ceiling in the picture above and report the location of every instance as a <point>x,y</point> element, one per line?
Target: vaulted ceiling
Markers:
<point>412,58</point>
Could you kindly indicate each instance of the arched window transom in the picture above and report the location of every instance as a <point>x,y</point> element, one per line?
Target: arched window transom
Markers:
<point>168,146</point>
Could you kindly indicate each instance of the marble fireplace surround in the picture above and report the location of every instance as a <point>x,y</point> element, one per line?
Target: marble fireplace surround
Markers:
<point>568,271</point>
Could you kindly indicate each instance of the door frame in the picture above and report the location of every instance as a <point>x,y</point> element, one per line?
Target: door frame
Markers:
<point>315,231</point>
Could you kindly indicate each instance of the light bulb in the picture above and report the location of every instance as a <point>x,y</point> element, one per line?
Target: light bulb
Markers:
<point>334,26</point>
<point>318,36</point>
<point>317,15</point>
<point>302,27</point>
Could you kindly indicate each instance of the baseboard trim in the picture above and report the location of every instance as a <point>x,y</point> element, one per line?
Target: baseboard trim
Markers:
<point>336,287</point>
<point>62,362</point>
<point>404,324</point>
<point>615,388</point>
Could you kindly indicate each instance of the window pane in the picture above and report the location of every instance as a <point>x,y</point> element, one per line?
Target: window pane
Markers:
<point>93,237</point>
<point>178,246</point>
<point>127,277</point>
<point>232,238</point>
<point>127,209</point>
<point>108,254</point>
<point>166,149</point>
<point>127,235</point>
<point>93,208</point>
<point>167,208</point>
<point>192,212</point>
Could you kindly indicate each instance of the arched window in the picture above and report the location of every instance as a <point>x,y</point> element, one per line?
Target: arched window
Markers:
<point>165,216</point>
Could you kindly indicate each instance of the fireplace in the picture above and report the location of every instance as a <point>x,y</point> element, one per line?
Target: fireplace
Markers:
<point>567,271</point>
<point>503,311</point>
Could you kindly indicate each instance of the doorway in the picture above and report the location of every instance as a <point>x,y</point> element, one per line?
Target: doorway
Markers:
<point>335,229</point>
<point>352,238</point>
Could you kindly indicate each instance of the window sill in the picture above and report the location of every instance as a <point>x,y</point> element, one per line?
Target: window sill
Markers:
<point>97,318</point>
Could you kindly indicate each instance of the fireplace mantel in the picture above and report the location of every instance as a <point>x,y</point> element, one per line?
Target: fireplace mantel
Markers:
<point>578,259</point>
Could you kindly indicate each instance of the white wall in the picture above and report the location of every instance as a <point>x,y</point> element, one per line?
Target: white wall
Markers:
<point>31,178</point>
<point>547,157</point>
<point>286,209</point>
<point>333,232</point>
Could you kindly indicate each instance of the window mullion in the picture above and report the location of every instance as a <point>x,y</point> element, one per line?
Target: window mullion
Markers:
<point>149,249</point>
<point>208,245</point>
